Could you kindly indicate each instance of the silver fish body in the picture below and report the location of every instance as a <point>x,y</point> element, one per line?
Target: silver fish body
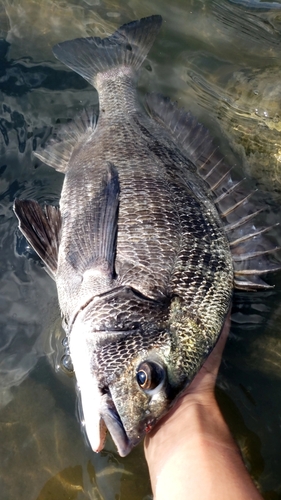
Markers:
<point>138,249</point>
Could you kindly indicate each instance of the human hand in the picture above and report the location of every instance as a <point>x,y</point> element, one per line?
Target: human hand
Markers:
<point>190,452</point>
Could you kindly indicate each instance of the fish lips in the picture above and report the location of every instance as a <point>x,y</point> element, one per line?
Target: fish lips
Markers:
<point>115,427</point>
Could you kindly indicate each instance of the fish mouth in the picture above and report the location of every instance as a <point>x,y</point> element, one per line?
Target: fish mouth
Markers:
<point>115,427</point>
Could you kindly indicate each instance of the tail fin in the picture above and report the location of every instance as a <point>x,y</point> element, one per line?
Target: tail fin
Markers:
<point>128,46</point>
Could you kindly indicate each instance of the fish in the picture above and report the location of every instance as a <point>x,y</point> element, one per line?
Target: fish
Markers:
<point>151,236</point>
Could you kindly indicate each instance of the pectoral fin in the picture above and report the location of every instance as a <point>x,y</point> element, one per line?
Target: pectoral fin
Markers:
<point>42,229</point>
<point>94,247</point>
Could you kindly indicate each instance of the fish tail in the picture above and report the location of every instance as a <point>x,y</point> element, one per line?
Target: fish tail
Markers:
<point>128,46</point>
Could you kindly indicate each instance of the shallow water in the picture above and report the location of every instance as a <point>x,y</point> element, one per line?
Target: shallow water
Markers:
<point>221,60</point>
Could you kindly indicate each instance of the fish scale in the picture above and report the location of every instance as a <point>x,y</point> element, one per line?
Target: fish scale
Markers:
<point>150,234</point>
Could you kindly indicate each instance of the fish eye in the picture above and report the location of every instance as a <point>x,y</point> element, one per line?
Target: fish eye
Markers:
<point>149,375</point>
<point>142,379</point>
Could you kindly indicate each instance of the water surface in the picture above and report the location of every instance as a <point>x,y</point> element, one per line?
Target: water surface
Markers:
<point>219,59</point>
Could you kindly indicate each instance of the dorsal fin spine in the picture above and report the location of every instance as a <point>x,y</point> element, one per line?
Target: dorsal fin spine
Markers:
<point>231,200</point>
<point>237,205</point>
<point>229,191</point>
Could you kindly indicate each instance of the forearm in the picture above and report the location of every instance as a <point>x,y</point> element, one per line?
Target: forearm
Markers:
<point>201,456</point>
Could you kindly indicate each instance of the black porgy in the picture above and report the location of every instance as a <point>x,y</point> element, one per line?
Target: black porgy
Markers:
<point>151,236</point>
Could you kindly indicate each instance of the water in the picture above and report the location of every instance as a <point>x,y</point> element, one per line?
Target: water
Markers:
<point>221,60</point>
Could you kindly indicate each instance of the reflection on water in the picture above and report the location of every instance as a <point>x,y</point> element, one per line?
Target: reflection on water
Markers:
<point>221,60</point>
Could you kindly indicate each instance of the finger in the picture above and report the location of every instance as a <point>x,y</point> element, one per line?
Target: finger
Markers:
<point>224,334</point>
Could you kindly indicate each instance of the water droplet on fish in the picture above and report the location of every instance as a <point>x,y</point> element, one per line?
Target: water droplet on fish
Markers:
<point>65,342</point>
<point>67,363</point>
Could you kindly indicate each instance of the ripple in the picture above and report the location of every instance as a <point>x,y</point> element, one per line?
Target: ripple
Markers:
<point>257,4</point>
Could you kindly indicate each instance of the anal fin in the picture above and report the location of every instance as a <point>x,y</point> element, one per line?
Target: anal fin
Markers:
<point>59,149</point>
<point>42,229</point>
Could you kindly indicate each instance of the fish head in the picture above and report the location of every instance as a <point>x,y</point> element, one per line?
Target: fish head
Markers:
<point>128,380</point>
<point>137,397</point>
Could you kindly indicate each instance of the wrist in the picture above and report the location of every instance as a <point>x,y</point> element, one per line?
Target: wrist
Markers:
<point>193,418</point>
<point>193,446</point>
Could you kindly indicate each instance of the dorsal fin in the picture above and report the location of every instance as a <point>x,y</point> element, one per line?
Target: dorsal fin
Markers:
<point>128,46</point>
<point>252,249</point>
<point>59,149</point>
<point>42,229</point>
<point>190,135</point>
